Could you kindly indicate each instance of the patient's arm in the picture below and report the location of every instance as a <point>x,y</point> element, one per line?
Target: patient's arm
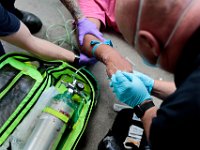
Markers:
<point>73,8</point>
<point>109,56</point>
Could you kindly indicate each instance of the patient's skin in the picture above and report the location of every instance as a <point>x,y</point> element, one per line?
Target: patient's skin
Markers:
<point>106,54</point>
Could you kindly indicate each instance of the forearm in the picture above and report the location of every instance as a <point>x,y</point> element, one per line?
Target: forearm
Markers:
<point>73,8</point>
<point>49,51</point>
<point>39,47</point>
<point>100,52</point>
<point>147,120</point>
<point>108,55</point>
<point>105,53</point>
<point>163,89</point>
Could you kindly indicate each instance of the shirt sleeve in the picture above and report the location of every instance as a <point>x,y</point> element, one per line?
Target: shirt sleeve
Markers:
<point>9,23</point>
<point>177,123</point>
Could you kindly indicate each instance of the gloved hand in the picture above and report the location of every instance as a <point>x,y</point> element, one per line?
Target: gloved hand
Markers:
<point>147,81</point>
<point>129,89</point>
<point>85,60</point>
<point>87,27</point>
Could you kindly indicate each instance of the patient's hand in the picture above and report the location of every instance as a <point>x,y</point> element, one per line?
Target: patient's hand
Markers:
<point>115,61</point>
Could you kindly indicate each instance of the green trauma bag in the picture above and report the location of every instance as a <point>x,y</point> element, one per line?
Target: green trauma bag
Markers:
<point>27,85</point>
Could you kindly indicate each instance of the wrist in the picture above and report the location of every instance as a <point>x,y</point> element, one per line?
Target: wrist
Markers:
<point>107,56</point>
<point>97,44</point>
<point>143,107</point>
<point>76,59</point>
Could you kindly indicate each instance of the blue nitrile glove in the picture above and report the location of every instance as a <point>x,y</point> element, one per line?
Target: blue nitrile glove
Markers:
<point>85,60</point>
<point>129,89</point>
<point>87,27</point>
<point>148,82</point>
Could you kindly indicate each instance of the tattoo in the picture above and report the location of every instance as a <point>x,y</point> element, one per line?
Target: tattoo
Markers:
<point>73,8</point>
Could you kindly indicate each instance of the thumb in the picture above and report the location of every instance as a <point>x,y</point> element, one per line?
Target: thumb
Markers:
<point>85,60</point>
<point>80,39</point>
<point>99,35</point>
<point>120,77</point>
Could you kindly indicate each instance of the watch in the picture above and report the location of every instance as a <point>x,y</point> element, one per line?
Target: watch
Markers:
<point>140,109</point>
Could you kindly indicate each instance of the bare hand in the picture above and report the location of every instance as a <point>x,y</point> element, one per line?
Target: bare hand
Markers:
<point>115,61</point>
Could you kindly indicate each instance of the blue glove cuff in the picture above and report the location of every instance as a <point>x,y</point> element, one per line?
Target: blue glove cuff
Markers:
<point>96,44</point>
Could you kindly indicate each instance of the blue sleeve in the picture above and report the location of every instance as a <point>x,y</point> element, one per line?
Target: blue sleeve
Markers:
<point>9,23</point>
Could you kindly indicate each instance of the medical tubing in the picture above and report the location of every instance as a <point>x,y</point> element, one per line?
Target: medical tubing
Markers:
<point>68,33</point>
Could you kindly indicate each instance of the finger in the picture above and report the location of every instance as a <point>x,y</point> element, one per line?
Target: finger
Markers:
<point>113,78</point>
<point>97,34</point>
<point>81,40</point>
<point>111,84</point>
<point>115,84</point>
<point>110,71</point>
<point>128,75</point>
<point>120,77</point>
<point>91,61</point>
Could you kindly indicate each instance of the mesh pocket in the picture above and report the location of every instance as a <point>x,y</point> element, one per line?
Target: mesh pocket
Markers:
<point>13,98</point>
<point>7,73</point>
